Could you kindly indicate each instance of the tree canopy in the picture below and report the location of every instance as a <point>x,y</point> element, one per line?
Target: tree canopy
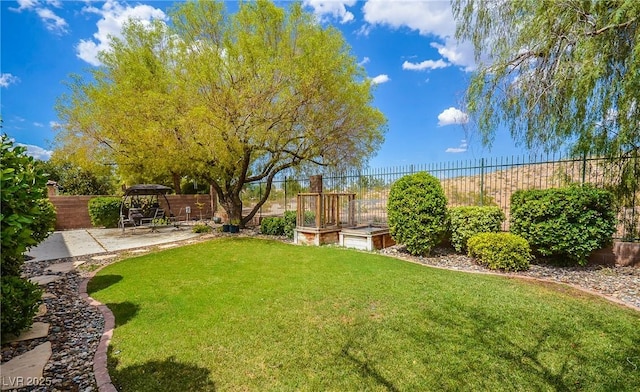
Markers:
<point>232,99</point>
<point>558,73</point>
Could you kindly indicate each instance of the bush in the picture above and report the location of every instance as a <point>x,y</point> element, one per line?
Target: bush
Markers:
<point>26,219</point>
<point>417,212</point>
<point>466,222</point>
<point>503,251</point>
<point>105,211</point>
<point>45,223</point>
<point>272,225</point>
<point>19,303</point>
<point>23,221</point>
<point>289,223</point>
<point>282,226</point>
<point>566,224</point>
<point>201,228</point>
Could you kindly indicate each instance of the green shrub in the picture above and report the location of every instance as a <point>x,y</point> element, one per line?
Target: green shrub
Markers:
<point>309,219</point>
<point>289,223</point>
<point>465,222</point>
<point>417,212</point>
<point>503,251</point>
<point>201,228</point>
<point>45,223</point>
<point>566,224</point>
<point>26,219</point>
<point>272,225</point>
<point>161,221</point>
<point>282,226</point>
<point>105,211</point>
<point>23,220</point>
<point>19,302</point>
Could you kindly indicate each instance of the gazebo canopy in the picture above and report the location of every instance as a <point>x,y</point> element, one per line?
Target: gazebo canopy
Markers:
<point>147,189</point>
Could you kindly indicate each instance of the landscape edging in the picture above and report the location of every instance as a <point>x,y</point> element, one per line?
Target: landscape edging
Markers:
<point>100,370</point>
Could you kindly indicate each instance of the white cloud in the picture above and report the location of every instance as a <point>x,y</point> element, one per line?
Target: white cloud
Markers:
<point>452,116</point>
<point>380,79</point>
<point>428,18</point>
<point>7,79</point>
<point>461,148</point>
<point>331,8</point>
<point>37,124</point>
<point>36,151</point>
<point>460,54</point>
<point>364,61</point>
<point>25,5</point>
<point>51,20</point>
<point>114,15</point>
<point>427,64</point>
<point>54,3</point>
<point>54,124</point>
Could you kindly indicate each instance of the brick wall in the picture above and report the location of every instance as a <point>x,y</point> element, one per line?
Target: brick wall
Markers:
<point>72,212</point>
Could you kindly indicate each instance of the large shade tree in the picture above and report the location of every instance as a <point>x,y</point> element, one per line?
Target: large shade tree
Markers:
<point>233,99</point>
<point>558,73</point>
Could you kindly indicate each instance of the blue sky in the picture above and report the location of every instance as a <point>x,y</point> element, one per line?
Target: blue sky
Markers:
<point>406,47</point>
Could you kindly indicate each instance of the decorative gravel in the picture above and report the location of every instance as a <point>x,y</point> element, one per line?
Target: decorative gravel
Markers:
<point>76,327</point>
<point>75,330</point>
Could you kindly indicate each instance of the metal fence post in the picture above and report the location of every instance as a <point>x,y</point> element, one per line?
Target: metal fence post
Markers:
<point>482,181</point>
<point>584,167</point>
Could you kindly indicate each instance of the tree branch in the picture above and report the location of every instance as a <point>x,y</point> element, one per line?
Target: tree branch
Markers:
<point>610,27</point>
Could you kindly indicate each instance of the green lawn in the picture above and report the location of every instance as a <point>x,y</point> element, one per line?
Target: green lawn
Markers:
<point>249,314</point>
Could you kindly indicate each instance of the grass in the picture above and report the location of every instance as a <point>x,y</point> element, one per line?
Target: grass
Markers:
<point>249,314</point>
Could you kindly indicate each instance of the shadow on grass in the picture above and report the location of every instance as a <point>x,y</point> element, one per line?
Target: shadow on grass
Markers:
<point>544,355</point>
<point>366,370</point>
<point>167,375</point>
<point>123,311</point>
<point>101,282</point>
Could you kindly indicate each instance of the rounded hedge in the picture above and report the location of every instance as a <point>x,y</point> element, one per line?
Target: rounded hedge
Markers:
<point>465,222</point>
<point>417,212</point>
<point>565,224</point>
<point>504,251</point>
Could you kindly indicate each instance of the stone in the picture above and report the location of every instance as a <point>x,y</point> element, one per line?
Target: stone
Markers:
<point>37,330</point>
<point>48,295</point>
<point>61,267</point>
<point>44,280</point>
<point>79,263</point>
<point>103,257</point>
<point>42,310</point>
<point>167,246</point>
<point>140,250</point>
<point>24,368</point>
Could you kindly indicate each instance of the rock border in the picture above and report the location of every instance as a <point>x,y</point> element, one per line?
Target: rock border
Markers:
<point>100,370</point>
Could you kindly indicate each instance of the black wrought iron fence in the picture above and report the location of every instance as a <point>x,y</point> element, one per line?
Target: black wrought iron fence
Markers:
<point>474,182</point>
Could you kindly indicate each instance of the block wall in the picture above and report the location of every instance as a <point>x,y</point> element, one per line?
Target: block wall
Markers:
<point>72,212</point>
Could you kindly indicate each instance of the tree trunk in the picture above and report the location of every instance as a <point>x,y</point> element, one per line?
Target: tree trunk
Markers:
<point>233,206</point>
<point>176,183</point>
